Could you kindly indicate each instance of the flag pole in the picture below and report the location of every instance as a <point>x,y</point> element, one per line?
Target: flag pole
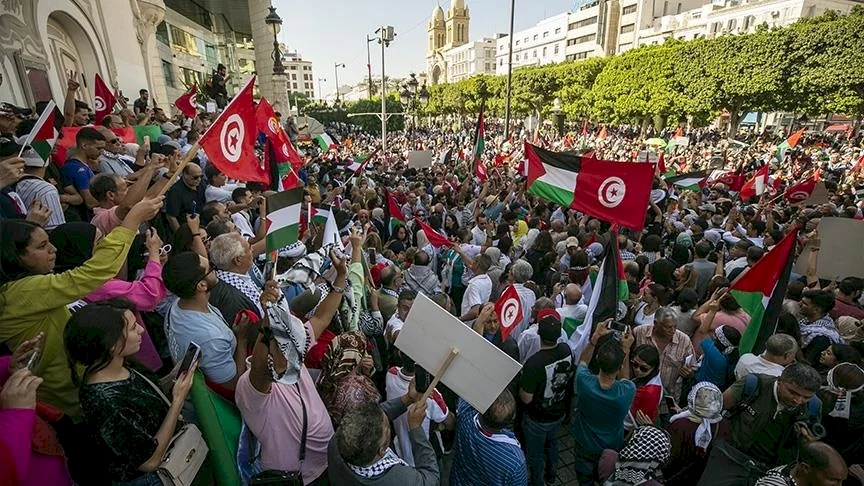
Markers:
<point>193,151</point>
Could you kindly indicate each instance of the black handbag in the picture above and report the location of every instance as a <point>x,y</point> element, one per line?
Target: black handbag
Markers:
<point>275,477</point>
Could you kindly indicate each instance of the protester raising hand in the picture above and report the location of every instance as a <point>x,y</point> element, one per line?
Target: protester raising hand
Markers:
<point>142,212</point>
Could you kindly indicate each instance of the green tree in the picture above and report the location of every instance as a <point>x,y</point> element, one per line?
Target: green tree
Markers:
<point>372,123</point>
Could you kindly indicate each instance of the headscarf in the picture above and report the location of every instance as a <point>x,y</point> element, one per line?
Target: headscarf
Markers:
<point>641,458</point>
<point>844,391</point>
<point>704,406</point>
<point>74,243</point>
<point>520,229</point>
<point>341,384</point>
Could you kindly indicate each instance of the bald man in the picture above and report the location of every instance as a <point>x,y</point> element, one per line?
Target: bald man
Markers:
<point>818,465</point>
<point>574,310</point>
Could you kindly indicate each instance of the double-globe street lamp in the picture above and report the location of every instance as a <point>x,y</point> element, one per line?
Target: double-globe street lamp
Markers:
<point>412,99</point>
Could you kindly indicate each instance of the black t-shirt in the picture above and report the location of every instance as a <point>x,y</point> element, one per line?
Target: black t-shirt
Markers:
<point>180,201</point>
<point>548,374</point>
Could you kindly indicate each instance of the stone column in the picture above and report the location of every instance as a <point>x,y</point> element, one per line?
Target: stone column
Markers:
<point>149,14</point>
<point>273,87</point>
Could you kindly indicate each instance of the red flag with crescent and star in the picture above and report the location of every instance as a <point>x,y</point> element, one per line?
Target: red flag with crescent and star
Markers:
<point>268,124</point>
<point>617,192</point>
<point>508,308</point>
<point>187,103</point>
<point>103,99</point>
<point>230,141</point>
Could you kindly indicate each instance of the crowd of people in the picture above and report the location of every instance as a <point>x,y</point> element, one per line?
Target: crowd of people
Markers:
<point>105,284</point>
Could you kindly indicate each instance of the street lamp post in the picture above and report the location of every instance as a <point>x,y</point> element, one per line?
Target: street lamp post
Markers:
<point>509,72</point>
<point>412,99</point>
<point>369,62</point>
<point>385,37</point>
<point>336,67</point>
<point>275,22</point>
<point>321,93</point>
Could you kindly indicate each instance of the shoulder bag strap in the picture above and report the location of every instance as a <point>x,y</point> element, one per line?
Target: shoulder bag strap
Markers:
<point>305,425</point>
<point>154,386</point>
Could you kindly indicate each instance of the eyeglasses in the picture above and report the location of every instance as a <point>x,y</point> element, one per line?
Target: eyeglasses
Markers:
<point>211,270</point>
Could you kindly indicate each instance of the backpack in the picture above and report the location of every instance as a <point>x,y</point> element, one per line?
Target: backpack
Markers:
<point>749,394</point>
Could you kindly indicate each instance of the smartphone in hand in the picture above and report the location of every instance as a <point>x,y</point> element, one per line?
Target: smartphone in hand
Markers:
<point>192,354</point>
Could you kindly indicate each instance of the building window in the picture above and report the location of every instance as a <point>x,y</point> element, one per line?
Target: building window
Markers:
<point>558,30</point>
<point>294,76</point>
<point>628,10</point>
<point>556,49</point>
<point>162,33</point>
<point>732,24</point>
<point>577,56</point>
<point>627,28</point>
<point>546,34</point>
<point>544,51</point>
<point>168,74</point>
<point>581,40</point>
<point>535,36</point>
<point>292,68</point>
<point>624,47</point>
<point>517,57</point>
<point>517,42</point>
<point>583,23</point>
<point>534,55</point>
<point>294,85</point>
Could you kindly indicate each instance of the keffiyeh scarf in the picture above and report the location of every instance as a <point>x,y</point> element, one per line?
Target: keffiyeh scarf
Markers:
<point>705,406</point>
<point>243,285</point>
<point>640,460</point>
<point>380,467</point>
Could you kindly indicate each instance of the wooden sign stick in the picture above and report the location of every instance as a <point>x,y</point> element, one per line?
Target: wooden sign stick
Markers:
<point>441,370</point>
<point>193,151</point>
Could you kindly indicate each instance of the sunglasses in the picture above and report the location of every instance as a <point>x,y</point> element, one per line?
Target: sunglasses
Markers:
<point>637,366</point>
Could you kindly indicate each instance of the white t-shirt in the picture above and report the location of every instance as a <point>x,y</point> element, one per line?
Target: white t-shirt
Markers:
<point>478,292</point>
<point>220,194</point>
<point>436,411</point>
<point>472,251</point>
<point>750,363</point>
<point>244,226</point>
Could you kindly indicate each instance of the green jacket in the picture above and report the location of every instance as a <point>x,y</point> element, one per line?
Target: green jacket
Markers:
<point>38,303</point>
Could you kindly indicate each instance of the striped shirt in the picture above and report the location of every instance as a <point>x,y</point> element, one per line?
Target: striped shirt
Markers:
<point>483,457</point>
<point>33,188</point>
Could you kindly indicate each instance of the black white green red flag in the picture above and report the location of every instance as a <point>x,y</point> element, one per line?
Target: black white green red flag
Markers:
<point>395,214</point>
<point>283,218</point>
<point>760,291</point>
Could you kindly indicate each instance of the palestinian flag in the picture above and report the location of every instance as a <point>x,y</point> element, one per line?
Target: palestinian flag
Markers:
<point>325,142</point>
<point>552,175</point>
<point>395,217</point>
<point>319,213</point>
<point>360,162</point>
<point>789,143</point>
<point>690,181</point>
<point>605,294</point>
<point>283,218</point>
<point>479,139</point>
<point>43,135</point>
<point>760,291</point>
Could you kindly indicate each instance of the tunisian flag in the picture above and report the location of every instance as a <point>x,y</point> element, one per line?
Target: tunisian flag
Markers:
<point>268,124</point>
<point>230,141</point>
<point>103,101</point>
<point>186,103</point>
<point>617,192</point>
<point>509,311</point>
